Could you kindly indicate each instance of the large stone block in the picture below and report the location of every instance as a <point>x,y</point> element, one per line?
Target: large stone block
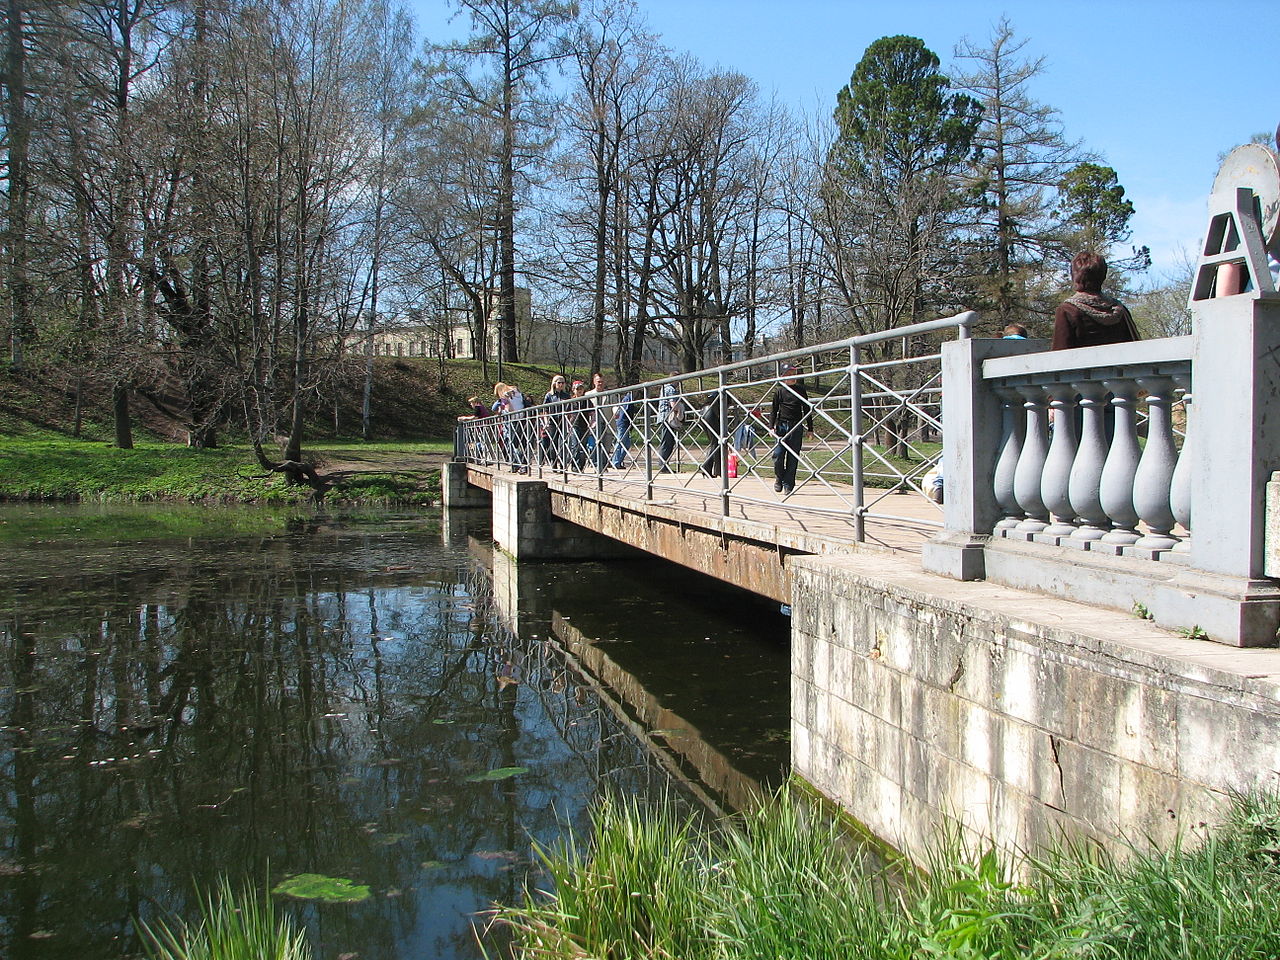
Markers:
<point>1226,748</point>
<point>1090,784</point>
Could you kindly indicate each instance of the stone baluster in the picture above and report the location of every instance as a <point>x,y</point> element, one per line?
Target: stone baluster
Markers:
<point>1055,484</point>
<point>1086,472</point>
<point>1116,489</point>
<point>1155,468</point>
<point>1035,450</point>
<point>1180,485</point>
<point>1011,430</point>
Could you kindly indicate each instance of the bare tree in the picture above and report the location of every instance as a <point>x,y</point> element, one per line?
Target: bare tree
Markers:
<point>388,44</point>
<point>612,96</point>
<point>517,39</point>
<point>702,196</point>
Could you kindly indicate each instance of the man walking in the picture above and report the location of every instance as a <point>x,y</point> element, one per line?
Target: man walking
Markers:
<point>789,416</point>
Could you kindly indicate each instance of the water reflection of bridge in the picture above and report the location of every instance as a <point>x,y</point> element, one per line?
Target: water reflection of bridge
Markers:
<point>726,765</point>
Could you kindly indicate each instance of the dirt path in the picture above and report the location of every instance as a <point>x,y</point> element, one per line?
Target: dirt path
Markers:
<point>346,464</point>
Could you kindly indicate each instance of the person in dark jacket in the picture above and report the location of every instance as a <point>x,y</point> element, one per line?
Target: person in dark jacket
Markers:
<point>790,414</point>
<point>711,419</point>
<point>579,425</point>
<point>1089,318</point>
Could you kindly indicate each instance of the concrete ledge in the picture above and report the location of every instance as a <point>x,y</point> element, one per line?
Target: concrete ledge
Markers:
<point>1230,610</point>
<point>916,697</point>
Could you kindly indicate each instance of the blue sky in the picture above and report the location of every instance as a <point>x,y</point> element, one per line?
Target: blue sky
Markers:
<point>1159,88</point>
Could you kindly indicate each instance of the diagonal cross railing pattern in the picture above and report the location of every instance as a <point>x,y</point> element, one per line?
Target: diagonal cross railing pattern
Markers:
<point>873,437</point>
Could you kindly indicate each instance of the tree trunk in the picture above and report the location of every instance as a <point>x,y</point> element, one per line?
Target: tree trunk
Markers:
<point>78,412</point>
<point>510,349</point>
<point>121,415</point>
<point>18,186</point>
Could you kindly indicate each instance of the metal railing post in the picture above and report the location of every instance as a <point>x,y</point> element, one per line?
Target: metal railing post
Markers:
<point>647,440</point>
<point>722,439</point>
<point>534,426</point>
<point>855,426</point>
<point>600,452</point>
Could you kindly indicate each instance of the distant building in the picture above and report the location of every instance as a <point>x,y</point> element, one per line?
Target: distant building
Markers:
<point>557,343</point>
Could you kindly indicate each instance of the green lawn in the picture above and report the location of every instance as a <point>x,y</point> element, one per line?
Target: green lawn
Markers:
<point>46,467</point>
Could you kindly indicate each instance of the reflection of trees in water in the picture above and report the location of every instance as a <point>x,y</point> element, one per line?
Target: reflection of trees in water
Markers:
<point>309,703</point>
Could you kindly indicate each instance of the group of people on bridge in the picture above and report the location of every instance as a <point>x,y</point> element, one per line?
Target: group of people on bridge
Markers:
<point>576,424</point>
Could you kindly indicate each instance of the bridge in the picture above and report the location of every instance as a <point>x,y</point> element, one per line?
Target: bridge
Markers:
<point>1081,636</point>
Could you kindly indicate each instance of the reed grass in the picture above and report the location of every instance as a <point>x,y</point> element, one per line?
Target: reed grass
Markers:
<point>235,924</point>
<point>783,882</point>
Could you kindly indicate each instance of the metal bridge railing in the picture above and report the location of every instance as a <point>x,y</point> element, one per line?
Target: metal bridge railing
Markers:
<point>875,430</point>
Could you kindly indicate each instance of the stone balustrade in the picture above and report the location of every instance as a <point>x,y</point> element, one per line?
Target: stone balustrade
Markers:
<point>1071,469</point>
<point>1100,508</point>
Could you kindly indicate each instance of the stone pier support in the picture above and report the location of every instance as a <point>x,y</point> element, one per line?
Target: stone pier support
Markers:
<point>457,493</point>
<point>917,698</point>
<point>525,527</point>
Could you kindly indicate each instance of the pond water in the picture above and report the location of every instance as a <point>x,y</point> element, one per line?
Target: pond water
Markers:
<point>191,694</point>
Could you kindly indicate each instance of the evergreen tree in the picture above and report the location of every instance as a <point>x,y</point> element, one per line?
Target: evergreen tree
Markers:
<point>1022,156</point>
<point>891,183</point>
<point>1096,212</point>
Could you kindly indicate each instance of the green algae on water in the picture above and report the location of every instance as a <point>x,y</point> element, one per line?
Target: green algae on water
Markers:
<point>316,886</point>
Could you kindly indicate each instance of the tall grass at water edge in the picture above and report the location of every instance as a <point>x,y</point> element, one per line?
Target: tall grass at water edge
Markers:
<point>235,924</point>
<point>784,883</point>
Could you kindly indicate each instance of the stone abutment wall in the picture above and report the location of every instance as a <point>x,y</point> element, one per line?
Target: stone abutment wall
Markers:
<point>915,698</point>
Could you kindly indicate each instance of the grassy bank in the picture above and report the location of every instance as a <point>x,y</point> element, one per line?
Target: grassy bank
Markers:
<point>48,467</point>
<point>783,882</point>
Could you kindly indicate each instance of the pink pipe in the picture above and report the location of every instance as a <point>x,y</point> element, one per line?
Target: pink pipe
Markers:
<point>1230,278</point>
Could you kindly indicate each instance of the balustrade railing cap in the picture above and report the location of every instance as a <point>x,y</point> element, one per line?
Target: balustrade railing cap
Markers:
<point>1166,350</point>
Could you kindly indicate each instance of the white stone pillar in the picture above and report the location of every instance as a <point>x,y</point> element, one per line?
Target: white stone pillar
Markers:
<point>1030,472</point>
<point>1180,485</point>
<point>1055,484</point>
<point>1086,471</point>
<point>1013,426</point>
<point>1116,491</point>
<point>1155,469</point>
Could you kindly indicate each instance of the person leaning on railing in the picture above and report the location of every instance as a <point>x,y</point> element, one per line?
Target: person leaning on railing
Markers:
<point>551,425</point>
<point>579,425</point>
<point>600,415</point>
<point>790,415</point>
<point>509,403</point>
